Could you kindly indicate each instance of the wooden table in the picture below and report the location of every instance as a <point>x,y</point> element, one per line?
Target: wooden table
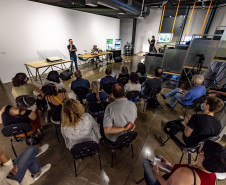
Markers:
<point>43,64</point>
<point>85,57</point>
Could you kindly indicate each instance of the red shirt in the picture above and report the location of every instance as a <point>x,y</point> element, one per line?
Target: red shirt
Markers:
<point>206,178</point>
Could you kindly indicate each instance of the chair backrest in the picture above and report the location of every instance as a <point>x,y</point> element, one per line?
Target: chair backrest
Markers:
<point>132,94</point>
<point>16,129</point>
<point>81,91</point>
<point>85,149</point>
<point>142,79</point>
<point>101,106</point>
<point>125,139</point>
<point>151,93</point>
<point>108,87</point>
<point>123,80</point>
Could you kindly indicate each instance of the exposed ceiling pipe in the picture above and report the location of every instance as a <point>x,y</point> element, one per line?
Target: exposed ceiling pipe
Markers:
<point>120,4</point>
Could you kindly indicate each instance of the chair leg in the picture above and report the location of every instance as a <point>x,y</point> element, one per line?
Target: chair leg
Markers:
<point>185,112</point>
<point>132,150</point>
<point>165,142</point>
<point>57,133</point>
<point>99,159</point>
<point>112,158</point>
<point>189,157</point>
<point>75,168</point>
<point>13,148</point>
<point>138,182</point>
<point>181,157</point>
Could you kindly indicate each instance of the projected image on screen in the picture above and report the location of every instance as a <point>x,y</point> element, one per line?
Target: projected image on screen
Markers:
<point>165,37</point>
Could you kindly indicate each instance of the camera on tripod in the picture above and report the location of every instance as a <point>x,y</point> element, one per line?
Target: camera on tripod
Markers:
<point>201,57</point>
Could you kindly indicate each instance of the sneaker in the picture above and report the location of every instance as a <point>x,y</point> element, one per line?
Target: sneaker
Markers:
<point>42,149</point>
<point>163,96</point>
<point>159,139</point>
<point>43,171</point>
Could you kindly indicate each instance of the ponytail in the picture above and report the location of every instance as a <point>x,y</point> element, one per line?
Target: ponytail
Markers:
<point>95,86</point>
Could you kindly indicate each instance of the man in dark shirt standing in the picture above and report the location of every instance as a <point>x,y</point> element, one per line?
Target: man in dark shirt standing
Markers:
<point>72,51</point>
<point>152,43</point>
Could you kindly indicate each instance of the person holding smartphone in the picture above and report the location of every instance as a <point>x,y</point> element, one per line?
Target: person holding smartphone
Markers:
<point>72,51</point>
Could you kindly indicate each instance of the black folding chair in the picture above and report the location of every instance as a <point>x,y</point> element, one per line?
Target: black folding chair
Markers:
<point>183,147</point>
<point>108,87</point>
<point>132,95</point>
<point>142,79</point>
<point>85,149</point>
<point>81,93</point>
<point>14,130</point>
<point>150,96</point>
<point>123,80</point>
<point>125,140</point>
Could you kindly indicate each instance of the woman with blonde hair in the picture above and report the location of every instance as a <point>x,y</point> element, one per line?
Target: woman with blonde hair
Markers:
<point>78,126</point>
<point>95,98</point>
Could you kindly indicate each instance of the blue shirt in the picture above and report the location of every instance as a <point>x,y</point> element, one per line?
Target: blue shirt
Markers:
<point>91,98</point>
<point>193,94</point>
<point>107,80</point>
<point>72,53</point>
<point>80,82</point>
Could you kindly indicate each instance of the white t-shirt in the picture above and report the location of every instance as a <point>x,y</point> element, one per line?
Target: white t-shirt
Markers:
<point>132,87</point>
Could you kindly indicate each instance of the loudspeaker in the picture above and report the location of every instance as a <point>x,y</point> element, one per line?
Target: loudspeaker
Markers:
<point>66,75</point>
<point>118,59</point>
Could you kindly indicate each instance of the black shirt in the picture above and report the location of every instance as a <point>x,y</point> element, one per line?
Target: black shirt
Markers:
<point>8,119</point>
<point>91,98</point>
<point>203,126</point>
<point>72,53</point>
<point>152,45</point>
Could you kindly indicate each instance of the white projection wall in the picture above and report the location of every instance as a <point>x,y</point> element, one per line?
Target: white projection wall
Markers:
<point>126,30</point>
<point>27,27</point>
<point>146,28</point>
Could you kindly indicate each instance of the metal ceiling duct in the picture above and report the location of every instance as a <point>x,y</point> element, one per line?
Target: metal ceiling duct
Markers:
<point>121,5</point>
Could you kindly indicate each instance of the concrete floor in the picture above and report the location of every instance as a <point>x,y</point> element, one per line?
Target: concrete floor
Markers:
<point>126,170</point>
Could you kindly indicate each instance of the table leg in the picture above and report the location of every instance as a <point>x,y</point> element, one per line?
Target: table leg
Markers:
<point>28,71</point>
<point>39,77</point>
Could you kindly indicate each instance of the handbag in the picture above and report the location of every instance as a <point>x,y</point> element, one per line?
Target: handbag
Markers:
<point>66,75</point>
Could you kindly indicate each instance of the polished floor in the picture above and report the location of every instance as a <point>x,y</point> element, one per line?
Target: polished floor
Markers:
<point>126,170</point>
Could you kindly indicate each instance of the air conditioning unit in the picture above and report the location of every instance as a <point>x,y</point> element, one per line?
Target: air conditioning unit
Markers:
<point>92,3</point>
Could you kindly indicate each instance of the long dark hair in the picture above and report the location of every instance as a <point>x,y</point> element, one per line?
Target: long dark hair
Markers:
<point>141,68</point>
<point>19,79</point>
<point>53,76</point>
<point>124,70</point>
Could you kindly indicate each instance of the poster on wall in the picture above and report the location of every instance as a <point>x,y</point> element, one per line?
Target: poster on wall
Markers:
<point>110,44</point>
<point>113,44</point>
<point>117,43</point>
<point>165,37</point>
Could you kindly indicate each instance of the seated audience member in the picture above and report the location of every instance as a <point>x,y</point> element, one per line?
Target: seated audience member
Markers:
<point>55,100</point>
<point>108,78</point>
<point>186,98</point>
<point>19,171</point>
<point>21,87</point>
<point>141,70</point>
<point>79,82</point>
<point>134,84</point>
<point>124,73</point>
<point>95,49</point>
<point>155,82</point>
<point>96,97</point>
<point>78,126</point>
<point>210,160</point>
<point>54,78</point>
<point>199,126</point>
<point>24,112</point>
<point>218,92</point>
<point>119,115</point>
